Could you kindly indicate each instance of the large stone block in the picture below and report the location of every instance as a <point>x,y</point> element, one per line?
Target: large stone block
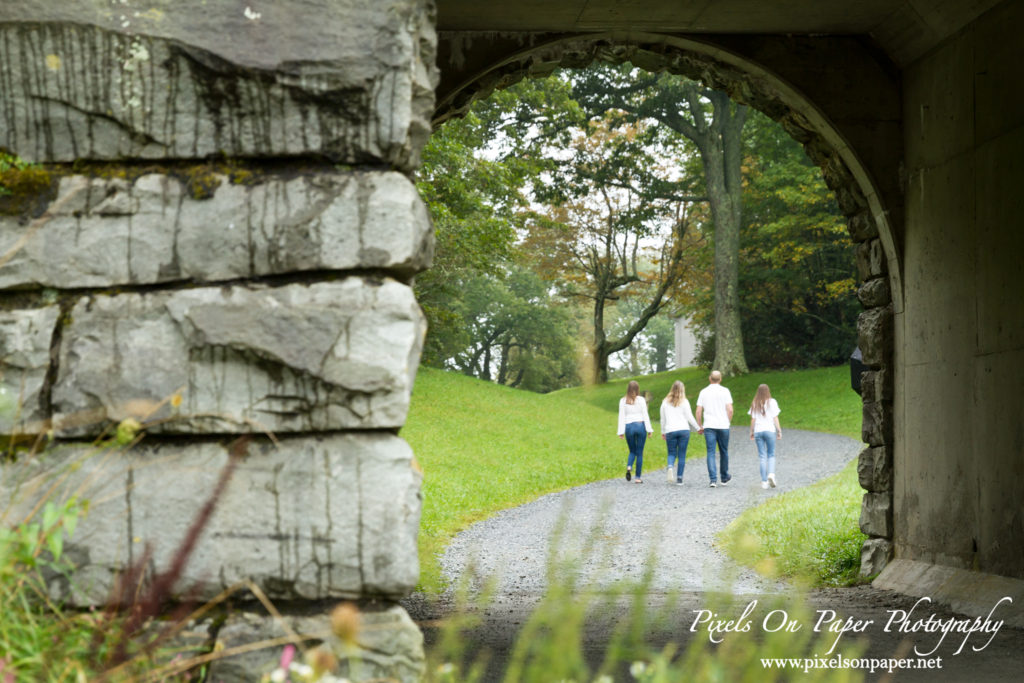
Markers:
<point>109,232</point>
<point>305,517</point>
<point>296,358</point>
<point>349,80</point>
<point>877,423</point>
<point>876,514</point>
<point>871,260</point>
<point>875,336</point>
<point>875,293</point>
<point>874,469</point>
<point>874,556</point>
<point>862,227</point>
<point>25,339</point>
<point>877,386</point>
<point>386,645</point>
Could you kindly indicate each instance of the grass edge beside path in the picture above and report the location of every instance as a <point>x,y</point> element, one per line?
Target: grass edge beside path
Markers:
<point>484,447</point>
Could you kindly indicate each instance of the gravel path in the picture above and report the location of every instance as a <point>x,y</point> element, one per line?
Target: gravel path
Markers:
<point>614,529</point>
<point>617,530</point>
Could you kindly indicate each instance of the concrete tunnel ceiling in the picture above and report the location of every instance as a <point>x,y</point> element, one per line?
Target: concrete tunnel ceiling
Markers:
<point>904,29</point>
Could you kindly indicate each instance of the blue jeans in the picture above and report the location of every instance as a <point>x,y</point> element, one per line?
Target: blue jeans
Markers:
<point>636,436</point>
<point>765,452</point>
<point>721,437</point>
<point>677,442</point>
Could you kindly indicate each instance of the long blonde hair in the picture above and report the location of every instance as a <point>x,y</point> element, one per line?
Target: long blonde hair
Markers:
<point>761,398</point>
<point>632,389</point>
<point>676,395</point>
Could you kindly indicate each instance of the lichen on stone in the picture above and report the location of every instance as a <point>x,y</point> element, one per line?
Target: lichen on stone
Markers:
<point>202,182</point>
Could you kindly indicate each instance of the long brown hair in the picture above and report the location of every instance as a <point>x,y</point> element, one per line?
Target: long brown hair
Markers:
<point>632,389</point>
<point>761,398</point>
<point>677,394</point>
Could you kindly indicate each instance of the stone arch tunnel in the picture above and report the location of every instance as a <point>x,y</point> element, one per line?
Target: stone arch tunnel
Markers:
<point>223,180</point>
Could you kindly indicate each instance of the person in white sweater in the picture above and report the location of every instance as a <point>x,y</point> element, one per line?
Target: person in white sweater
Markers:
<point>676,421</point>
<point>764,431</point>
<point>634,427</point>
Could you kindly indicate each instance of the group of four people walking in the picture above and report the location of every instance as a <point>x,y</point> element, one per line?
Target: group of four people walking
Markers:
<point>713,419</point>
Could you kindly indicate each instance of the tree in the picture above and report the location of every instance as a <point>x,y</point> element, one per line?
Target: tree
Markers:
<point>475,203</point>
<point>797,279</point>
<point>714,124</point>
<point>488,315</point>
<point>798,266</point>
<point>615,228</point>
<point>652,349</point>
<point>518,336</point>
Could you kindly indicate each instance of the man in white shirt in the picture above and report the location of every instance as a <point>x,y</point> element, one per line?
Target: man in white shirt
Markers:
<point>714,415</point>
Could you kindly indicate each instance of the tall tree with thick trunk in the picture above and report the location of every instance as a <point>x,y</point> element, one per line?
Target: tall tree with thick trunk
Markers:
<point>714,124</point>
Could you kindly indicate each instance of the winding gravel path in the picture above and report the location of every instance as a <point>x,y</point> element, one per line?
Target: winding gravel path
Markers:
<point>616,529</point>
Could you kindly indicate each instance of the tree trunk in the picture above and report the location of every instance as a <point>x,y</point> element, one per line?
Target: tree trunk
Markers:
<point>660,357</point>
<point>599,349</point>
<point>634,360</point>
<point>722,165</point>
<point>599,369</point>
<point>503,362</point>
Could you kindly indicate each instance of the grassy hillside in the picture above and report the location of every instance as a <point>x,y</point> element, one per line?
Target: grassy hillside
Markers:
<point>484,447</point>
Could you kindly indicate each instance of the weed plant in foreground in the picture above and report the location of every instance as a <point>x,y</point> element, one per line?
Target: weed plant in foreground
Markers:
<point>577,634</point>
<point>44,640</point>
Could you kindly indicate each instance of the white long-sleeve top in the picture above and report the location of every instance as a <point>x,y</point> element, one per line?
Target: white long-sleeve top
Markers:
<point>677,418</point>
<point>765,422</point>
<point>633,412</point>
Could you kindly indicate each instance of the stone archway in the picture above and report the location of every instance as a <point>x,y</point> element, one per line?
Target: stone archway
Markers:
<point>860,201</point>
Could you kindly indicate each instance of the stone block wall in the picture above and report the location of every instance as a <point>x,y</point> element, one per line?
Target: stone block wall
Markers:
<point>875,338</point>
<point>223,246</point>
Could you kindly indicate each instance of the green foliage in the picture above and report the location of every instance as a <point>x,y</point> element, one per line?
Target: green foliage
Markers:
<point>23,185</point>
<point>476,203</point>
<point>34,628</point>
<point>809,534</point>
<point>653,348</point>
<point>485,448</point>
<point>512,323</point>
<point>798,273</point>
<point>41,639</point>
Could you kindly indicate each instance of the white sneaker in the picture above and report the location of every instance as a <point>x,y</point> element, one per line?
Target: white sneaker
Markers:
<point>764,484</point>
<point>771,479</point>
<point>713,485</point>
<point>668,474</point>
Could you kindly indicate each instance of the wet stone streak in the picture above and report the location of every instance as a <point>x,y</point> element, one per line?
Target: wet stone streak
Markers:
<point>79,91</point>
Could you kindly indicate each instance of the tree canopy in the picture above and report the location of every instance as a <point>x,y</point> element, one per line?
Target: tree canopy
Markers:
<point>572,211</point>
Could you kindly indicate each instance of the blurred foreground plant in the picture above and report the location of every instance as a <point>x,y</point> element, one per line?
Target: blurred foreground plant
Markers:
<point>578,632</point>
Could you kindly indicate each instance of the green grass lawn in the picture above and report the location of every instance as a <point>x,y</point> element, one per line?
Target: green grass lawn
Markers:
<point>484,447</point>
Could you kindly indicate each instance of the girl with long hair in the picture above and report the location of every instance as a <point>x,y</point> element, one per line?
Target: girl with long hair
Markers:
<point>676,421</point>
<point>764,430</point>
<point>634,427</point>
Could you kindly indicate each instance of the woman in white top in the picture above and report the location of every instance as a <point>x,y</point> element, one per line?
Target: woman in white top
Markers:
<point>764,429</point>
<point>634,427</point>
<point>676,420</point>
